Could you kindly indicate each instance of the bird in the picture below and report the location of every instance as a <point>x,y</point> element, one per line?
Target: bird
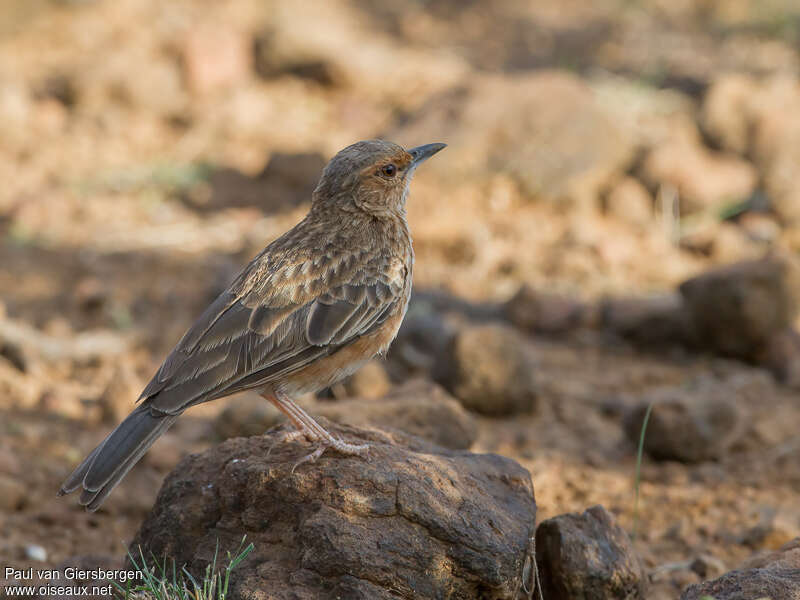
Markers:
<point>310,309</point>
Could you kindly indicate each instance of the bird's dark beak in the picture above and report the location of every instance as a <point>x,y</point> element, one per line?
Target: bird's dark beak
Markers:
<point>422,153</point>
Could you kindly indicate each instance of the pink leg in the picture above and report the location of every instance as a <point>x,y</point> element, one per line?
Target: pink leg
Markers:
<point>313,431</point>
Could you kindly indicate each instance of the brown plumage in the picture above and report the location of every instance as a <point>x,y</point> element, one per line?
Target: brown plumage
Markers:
<point>311,308</point>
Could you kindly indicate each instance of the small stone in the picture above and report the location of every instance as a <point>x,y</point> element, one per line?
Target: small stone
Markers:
<point>490,369</point>
<point>688,423</point>
<point>654,321</point>
<point>704,179</point>
<point>775,576</point>
<point>422,339</point>
<point>588,556</point>
<point>726,111</point>
<point>735,310</point>
<point>542,312</point>
<point>36,552</point>
<point>707,566</point>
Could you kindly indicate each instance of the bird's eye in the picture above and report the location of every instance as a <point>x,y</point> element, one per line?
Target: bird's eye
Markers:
<point>389,170</point>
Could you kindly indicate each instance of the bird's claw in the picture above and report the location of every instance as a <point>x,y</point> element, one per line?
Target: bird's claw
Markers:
<point>292,436</point>
<point>336,444</point>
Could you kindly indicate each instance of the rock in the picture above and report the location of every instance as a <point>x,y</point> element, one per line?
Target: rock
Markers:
<point>532,127</point>
<point>630,201</point>
<point>724,109</point>
<point>736,309</point>
<point>762,119</point>
<point>691,423</point>
<point>409,520</point>
<point>588,556</point>
<point>543,312</point>
<point>423,338</point>
<point>13,493</point>
<point>370,381</point>
<point>707,566</point>
<point>490,369</point>
<point>776,577</point>
<point>245,415</point>
<point>703,179</point>
<point>656,321</point>
<point>419,407</point>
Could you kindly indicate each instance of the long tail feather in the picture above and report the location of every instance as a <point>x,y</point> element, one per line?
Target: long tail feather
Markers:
<point>107,464</point>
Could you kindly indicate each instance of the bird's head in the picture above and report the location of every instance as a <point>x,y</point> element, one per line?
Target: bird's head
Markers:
<point>372,176</point>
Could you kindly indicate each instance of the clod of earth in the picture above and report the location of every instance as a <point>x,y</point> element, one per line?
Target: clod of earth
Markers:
<point>411,520</point>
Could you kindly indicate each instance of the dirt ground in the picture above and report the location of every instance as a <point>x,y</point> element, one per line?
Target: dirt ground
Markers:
<point>604,149</point>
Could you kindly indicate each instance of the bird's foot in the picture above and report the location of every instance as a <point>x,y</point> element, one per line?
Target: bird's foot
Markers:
<point>336,444</point>
<point>293,436</point>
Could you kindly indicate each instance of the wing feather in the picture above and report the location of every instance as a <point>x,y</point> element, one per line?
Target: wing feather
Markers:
<point>252,336</point>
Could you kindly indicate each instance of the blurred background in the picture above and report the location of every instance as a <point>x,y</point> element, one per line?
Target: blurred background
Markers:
<point>618,205</point>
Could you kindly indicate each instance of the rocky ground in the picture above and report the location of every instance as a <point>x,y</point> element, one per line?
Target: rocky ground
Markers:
<point>615,223</point>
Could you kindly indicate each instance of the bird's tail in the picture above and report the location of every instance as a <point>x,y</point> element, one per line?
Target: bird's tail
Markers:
<point>107,464</point>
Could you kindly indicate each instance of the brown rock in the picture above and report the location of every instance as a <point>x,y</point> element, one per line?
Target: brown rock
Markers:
<point>419,407</point>
<point>408,520</point>
<point>703,179</point>
<point>691,423</point>
<point>542,312</point>
<point>490,369</point>
<point>423,338</point>
<point>761,118</point>
<point>776,577</point>
<point>736,309</point>
<point>655,321</point>
<point>531,127</point>
<point>588,556</point>
<point>725,111</point>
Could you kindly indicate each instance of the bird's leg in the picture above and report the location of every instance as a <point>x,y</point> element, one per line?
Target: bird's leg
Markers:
<point>289,436</point>
<point>313,431</point>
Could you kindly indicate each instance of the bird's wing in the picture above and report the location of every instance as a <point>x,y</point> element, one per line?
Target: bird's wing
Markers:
<point>288,317</point>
